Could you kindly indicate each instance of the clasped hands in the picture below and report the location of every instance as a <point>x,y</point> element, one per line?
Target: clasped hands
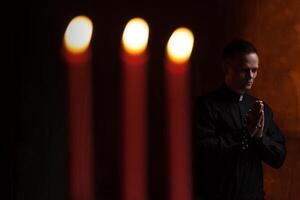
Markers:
<point>255,120</point>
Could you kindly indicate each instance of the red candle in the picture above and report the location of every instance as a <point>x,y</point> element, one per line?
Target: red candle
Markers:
<point>179,49</point>
<point>134,57</point>
<point>78,57</point>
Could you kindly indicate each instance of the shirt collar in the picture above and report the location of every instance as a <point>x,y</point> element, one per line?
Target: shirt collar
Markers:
<point>229,94</point>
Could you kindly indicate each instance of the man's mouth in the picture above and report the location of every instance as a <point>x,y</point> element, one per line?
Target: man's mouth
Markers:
<point>249,83</point>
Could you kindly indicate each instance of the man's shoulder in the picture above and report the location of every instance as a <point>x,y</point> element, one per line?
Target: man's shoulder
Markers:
<point>209,97</point>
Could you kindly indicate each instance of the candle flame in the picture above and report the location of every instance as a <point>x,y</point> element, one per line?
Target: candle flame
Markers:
<point>135,36</point>
<point>180,45</point>
<point>78,34</point>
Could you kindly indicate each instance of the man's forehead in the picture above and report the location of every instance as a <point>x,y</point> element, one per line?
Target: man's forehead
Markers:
<point>245,56</point>
<point>243,59</point>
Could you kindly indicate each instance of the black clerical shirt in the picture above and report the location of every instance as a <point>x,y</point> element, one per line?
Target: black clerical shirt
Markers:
<point>227,162</point>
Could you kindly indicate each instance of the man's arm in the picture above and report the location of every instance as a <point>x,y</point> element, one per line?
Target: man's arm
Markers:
<point>272,144</point>
<point>207,136</point>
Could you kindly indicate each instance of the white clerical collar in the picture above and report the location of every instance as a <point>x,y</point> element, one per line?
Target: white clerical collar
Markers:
<point>241,97</point>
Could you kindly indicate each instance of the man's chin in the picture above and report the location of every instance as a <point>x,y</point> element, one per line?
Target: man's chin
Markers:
<point>248,87</point>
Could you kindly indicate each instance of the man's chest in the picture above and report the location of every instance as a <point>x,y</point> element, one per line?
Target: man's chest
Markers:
<point>231,116</point>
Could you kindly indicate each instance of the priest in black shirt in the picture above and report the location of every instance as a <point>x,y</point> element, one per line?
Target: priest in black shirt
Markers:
<point>234,133</point>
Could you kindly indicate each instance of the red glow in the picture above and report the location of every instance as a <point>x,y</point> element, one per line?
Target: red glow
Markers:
<point>179,129</point>
<point>77,59</point>
<point>80,128</point>
<point>134,119</point>
<point>176,68</point>
<point>134,61</point>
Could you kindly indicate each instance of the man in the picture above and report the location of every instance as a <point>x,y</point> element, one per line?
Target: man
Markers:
<point>235,132</point>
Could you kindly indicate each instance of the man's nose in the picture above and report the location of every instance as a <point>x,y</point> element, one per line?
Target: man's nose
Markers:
<point>250,74</point>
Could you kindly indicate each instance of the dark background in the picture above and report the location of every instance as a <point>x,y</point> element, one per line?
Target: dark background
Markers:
<point>35,140</point>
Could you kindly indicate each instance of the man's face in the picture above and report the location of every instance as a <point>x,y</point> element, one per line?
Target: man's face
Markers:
<point>241,71</point>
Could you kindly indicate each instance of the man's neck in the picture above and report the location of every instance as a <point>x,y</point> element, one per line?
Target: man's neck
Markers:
<point>236,90</point>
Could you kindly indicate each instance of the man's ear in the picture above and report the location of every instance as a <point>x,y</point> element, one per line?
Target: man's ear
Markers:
<point>225,66</point>
<point>227,63</point>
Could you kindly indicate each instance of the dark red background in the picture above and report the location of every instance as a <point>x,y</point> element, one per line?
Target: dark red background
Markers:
<point>35,139</point>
